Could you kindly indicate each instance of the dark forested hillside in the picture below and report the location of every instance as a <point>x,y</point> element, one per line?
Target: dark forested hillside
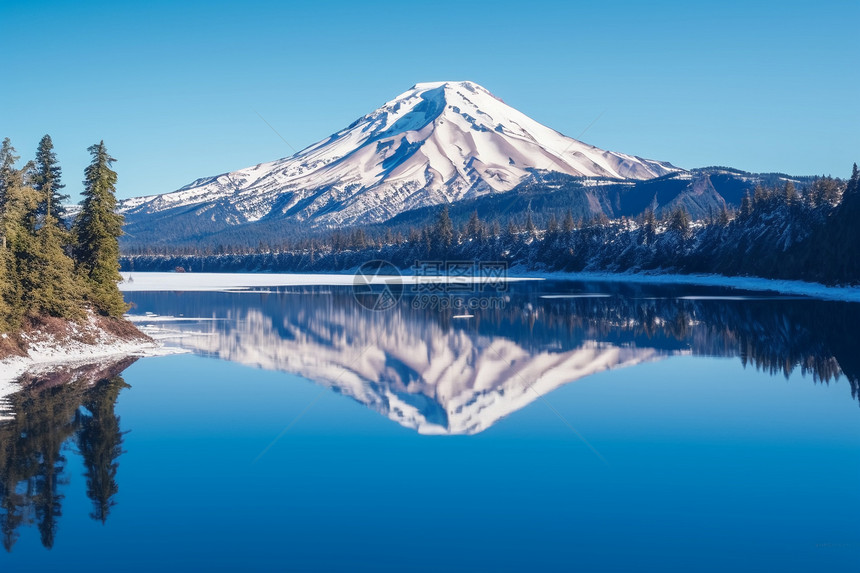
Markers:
<point>779,231</point>
<point>701,192</point>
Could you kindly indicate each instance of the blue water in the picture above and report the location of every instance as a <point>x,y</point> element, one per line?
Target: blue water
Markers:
<point>686,460</point>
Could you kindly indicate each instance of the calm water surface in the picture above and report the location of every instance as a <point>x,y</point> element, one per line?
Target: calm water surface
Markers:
<point>582,427</point>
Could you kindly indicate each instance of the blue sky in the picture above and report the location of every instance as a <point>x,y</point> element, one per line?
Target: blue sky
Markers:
<point>175,91</point>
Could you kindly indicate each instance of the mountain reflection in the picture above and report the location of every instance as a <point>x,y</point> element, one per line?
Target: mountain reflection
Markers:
<point>69,408</point>
<point>432,372</point>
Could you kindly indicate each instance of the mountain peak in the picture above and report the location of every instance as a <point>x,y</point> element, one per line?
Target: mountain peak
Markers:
<point>438,142</point>
<point>471,86</point>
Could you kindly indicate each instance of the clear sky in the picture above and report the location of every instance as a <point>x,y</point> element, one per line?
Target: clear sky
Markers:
<point>174,91</point>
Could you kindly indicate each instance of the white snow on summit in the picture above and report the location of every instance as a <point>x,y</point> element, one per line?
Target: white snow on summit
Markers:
<point>436,143</point>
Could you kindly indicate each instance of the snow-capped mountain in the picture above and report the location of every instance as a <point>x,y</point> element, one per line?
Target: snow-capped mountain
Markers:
<point>436,143</point>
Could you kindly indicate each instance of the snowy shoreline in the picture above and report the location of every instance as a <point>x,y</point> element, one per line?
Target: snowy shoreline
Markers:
<point>786,287</point>
<point>191,282</point>
<point>49,352</point>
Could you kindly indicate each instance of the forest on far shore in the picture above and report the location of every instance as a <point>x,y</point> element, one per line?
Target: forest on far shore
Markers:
<point>780,231</point>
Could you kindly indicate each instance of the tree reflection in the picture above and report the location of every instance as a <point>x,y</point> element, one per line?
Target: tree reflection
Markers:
<point>56,411</point>
<point>100,444</point>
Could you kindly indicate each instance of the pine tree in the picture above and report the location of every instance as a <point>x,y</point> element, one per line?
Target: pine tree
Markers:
<point>511,233</point>
<point>789,193</point>
<point>8,159</point>
<point>46,180</point>
<point>19,252</point>
<point>723,216</point>
<point>567,225</point>
<point>5,289</point>
<point>496,229</point>
<point>474,228</point>
<point>552,229</point>
<point>746,205</point>
<point>531,230</point>
<point>42,275</point>
<point>97,231</point>
<point>52,287</point>
<point>760,196</point>
<point>679,221</point>
<point>853,186</point>
<point>649,227</point>
<point>7,165</point>
<point>444,231</point>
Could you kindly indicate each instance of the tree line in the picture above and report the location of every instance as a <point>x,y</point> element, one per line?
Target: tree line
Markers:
<point>53,264</point>
<point>806,232</point>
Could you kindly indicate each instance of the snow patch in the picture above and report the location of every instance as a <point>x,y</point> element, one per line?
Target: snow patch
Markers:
<point>47,352</point>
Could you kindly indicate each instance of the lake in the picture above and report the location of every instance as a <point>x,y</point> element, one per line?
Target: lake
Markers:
<point>544,426</point>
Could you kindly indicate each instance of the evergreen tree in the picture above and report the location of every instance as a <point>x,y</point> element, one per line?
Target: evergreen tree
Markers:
<point>46,180</point>
<point>496,229</point>
<point>52,286</point>
<point>474,228</point>
<point>551,229</point>
<point>7,290</point>
<point>649,227</point>
<point>723,216</point>
<point>531,230</point>
<point>760,196</point>
<point>746,205</point>
<point>511,233</point>
<point>567,225</point>
<point>19,252</point>
<point>789,193</point>
<point>679,221</point>
<point>97,231</point>
<point>444,231</point>
<point>40,276</point>
<point>853,186</point>
<point>8,159</point>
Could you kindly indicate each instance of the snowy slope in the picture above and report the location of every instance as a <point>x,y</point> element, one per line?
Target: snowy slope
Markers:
<point>436,143</point>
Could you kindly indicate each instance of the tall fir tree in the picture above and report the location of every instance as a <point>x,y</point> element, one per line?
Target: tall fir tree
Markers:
<point>7,165</point>
<point>723,217</point>
<point>474,227</point>
<point>53,287</point>
<point>97,230</point>
<point>49,284</point>
<point>679,221</point>
<point>648,230</point>
<point>47,181</point>
<point>17,236</point>
<point>531,229</point>
<point>8,159</point>
<point>5,288</point>
<point>853,186</point>
<point>444,231</point>
<point>746,205</point>
<point>568,224</point>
